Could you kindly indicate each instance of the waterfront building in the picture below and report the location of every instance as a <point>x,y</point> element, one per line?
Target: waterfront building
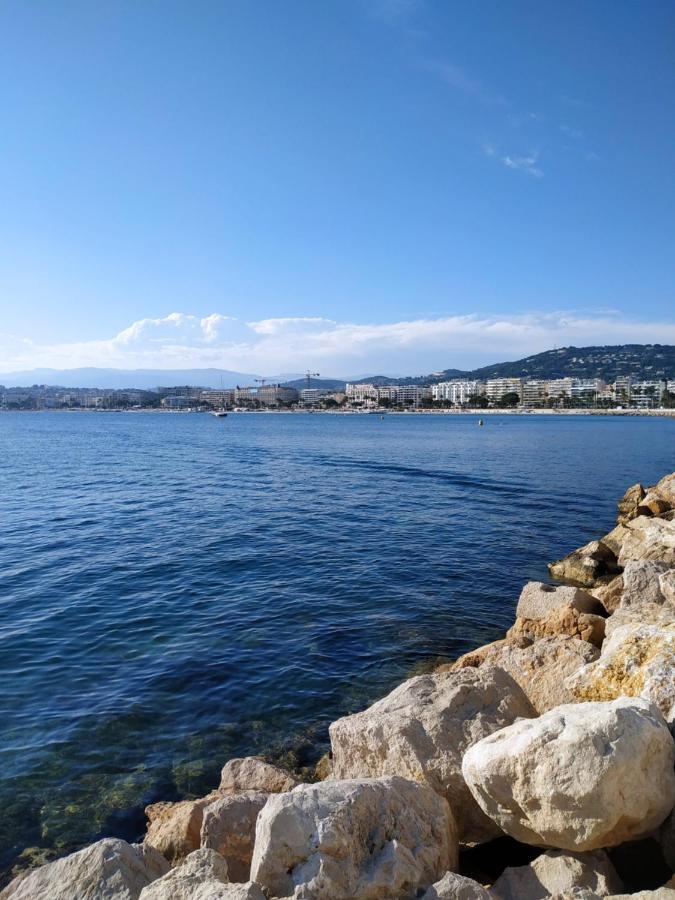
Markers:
<point>309,396</point>
<point>266,395</point>
<point>218,399</point>
<point>586,390</point>
<point>623,389</point>
<point>559,389</point>
<point>648,394</point>
<point>456,392</point>
<point>535,393</point>
<point>496,388</point>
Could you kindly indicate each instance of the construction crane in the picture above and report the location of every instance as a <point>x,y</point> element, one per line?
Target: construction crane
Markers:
<point>309,375</point>
<point>261,381</point>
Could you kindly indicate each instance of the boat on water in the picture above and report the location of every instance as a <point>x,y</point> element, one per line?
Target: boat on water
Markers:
<point>219,413</point>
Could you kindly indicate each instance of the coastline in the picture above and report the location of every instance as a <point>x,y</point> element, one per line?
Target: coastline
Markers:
<point>634,413</point>
<point>573,643</point>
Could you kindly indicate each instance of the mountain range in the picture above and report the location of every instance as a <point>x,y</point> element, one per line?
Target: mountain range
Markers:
<point>640,361</point>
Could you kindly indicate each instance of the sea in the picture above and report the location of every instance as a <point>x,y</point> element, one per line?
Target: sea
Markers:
<point>178,589</point>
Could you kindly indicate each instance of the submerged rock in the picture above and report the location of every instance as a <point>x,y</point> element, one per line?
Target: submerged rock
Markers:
<point>580,777</point>
<point>368,839</point>
<point>556,872</point>
<point>587,565</point>
<point>422,730</point>
<point>250,773</point>
<point>636,661</point>
<point>110,869</point>
<point>229,828</point>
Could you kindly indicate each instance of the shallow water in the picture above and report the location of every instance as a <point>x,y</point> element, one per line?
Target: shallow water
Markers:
<point>179,589</point>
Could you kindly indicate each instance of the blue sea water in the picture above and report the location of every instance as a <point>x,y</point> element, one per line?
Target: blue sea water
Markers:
<point>179,589</point>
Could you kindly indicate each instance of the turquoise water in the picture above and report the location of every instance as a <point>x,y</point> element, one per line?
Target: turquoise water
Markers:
<point>179,589</point>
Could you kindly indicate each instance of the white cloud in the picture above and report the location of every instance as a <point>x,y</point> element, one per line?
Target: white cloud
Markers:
<point>292,343</point>
<point>527,164</point>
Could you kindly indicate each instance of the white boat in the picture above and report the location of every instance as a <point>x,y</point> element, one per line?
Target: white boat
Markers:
<point>219,413</point>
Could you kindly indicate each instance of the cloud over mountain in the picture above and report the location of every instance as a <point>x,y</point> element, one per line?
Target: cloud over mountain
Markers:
<point>182,340</point>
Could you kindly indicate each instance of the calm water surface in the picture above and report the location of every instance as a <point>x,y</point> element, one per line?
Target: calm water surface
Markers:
<point>179,589</point>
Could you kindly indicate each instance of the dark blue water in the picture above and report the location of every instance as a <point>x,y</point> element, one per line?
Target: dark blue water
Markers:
<point>178,589</point>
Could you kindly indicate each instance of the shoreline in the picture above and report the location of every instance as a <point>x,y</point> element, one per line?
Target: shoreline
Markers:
<point>602,634</point>
<point>634,413</point>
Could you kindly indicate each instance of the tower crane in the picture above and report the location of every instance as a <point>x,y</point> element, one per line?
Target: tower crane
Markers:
<point>309,375</point>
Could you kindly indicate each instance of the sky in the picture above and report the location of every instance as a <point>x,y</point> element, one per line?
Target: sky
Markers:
<point>350,186</point>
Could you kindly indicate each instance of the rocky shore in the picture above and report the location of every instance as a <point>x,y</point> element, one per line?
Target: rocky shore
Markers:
<point>539,766</point>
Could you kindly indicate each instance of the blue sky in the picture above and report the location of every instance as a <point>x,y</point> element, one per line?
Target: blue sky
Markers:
<point>351,185</point>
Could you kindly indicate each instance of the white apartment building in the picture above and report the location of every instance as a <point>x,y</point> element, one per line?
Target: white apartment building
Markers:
<point>456,392</point>
<point>496,388</point>
<point>396,394</point>
<point>559,388</point>
<point>647,394</point>
<point>535,393</point>
<point>587,388</point>
<point>362,393</point>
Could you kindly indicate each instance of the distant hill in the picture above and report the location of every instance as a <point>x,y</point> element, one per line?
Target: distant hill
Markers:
<point>640,361</point>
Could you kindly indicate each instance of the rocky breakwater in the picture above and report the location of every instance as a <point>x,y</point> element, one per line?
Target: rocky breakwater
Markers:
<point>538,766</point>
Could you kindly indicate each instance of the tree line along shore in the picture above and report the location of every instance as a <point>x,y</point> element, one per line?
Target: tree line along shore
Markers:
<point>541,765</point>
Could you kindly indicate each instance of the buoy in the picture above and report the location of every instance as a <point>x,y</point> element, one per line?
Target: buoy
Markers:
<point>480,422</point>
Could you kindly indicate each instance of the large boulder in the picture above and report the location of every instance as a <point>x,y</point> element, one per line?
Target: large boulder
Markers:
<point>665,488</point>
<point>174,828</point>
<point>367,839</point>
<point>636,661</point>
<point>422,730</point>
<point>609,594</point>
<point>456,887</point>
<point>649,539</point>
<point>540,668</point>
<point>667,586</point>
<point>538,599</point>
<point>564,620</point>
<point>250,773</point>
<point>581,777</point>
<point>556,872</point>
<point>586,566</point>
<point>657,614</point>
<point>110,869</point>
<point>228,827</point>
<point>614,539</point>
<point>201,876</point>
<point>628,505</point>
<point>641,583</point>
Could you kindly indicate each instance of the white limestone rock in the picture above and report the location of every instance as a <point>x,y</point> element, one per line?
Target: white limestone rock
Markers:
<point>250,773</point>
<point>368,839</point>
<point>229,828</point>
<point>587,565</point>
<point>641,583</point>
<point>636,661</point>
<point>580,777</point>
<point>541,668</point>
<point>556,872</point>
<point>422,730</point>
<point>456,887</point>
<point>649,539</point>
<point>667,586</point>
<point>538,599</point>
<point>201,876</point>
<point>110,869</point>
